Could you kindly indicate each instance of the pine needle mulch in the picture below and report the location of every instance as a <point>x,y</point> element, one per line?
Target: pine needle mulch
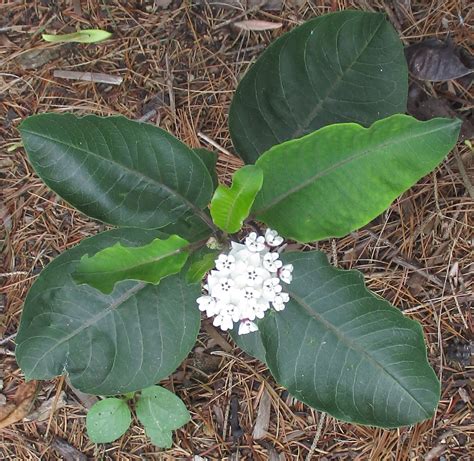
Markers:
<point>180,66</point>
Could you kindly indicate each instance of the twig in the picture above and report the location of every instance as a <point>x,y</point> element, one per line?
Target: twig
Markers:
<point>55,403</point>
<point>169,83</point>
<point>408,265</point>
<point>317,436</point>
<point>214,144</point>
<point>96,77</point>
<point>240,15</point>
<point>8,338</point>
<point>9,274</point>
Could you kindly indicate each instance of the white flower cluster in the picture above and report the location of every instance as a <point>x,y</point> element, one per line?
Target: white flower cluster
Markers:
<point>246,281</point>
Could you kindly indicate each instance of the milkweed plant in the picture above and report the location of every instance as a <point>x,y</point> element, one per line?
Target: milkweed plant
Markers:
<point>319,122</point>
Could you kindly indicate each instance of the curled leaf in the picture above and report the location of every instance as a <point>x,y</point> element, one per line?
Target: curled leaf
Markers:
<point>231,205</point>
<point>148,263</point>
<point>22,403</point>
<point>435,61</point>
<point>82,36</point>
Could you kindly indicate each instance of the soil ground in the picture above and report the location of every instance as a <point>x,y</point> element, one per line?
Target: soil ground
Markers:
<point>180,65</point>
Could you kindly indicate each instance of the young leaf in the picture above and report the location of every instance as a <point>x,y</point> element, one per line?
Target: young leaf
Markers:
<point>341,349</point>
<point>160,411</point>
<point>230,206</point>
<point>107,420</point>
<point>122,172</point>
<point>340,177</point>
<point>82,36</point>
<point>201,262</point>
<point>108,344</point>
<point>148,263</point>
<point>342,67</point>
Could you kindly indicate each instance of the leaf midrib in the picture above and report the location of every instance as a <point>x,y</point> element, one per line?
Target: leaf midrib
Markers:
<point>234,203</point>
<point>358,155</point>
<point>313,114</point>
<point>91,321</point>
<point>140,174</point>
<point>352,345</point>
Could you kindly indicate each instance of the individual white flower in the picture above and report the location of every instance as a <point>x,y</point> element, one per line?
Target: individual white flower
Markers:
<point>225,263</point>
<point>224,319</point>
<point>207,304</point>
<point>270,288</point>
<point>260,308</point>
<point>222,289</point>
<point>285,273</point>
<point>271,261</point>
<point>254,242</point>
<point>246,326</point>
<point>252,276</point>
<point>280,300</point>
<point>272,238</point>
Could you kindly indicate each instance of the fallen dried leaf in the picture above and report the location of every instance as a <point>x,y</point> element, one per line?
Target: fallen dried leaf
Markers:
<point>44,410</point>
<point>425,107</point>
<point>435,61</point>
<point>257,25</point>
<point>68,452</point>
<point>263,416</point>
<point>35,58</point>
<point>23,400</point>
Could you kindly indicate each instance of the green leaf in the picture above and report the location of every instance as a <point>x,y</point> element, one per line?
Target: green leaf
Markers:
<point>108,344</point>
<point>340,177</point>
<point>231,205</point>
<point>122,172</point>
<point>201,262</point>
<point>82,36</point>
<point>341,349</point>
<point>210,160</point>
<point>160,411</point>
<point>342,67</point>
<point>162,439</point>
<point>107,420</point>
<point>148,263</point>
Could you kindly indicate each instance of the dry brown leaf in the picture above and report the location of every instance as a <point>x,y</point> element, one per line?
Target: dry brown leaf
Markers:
<point>23,400</point>
<point>67,451</point>
<point>43,412</point>
<point>435,61</point>
<point>263,416</point>
<point>257,25</point>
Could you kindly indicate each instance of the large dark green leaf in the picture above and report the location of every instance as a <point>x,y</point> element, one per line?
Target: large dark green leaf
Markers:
<point>122,172</point>
<point>108,344</point>
<point>340,177</point>
<point>341,67</point>
<point>341,349</point>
